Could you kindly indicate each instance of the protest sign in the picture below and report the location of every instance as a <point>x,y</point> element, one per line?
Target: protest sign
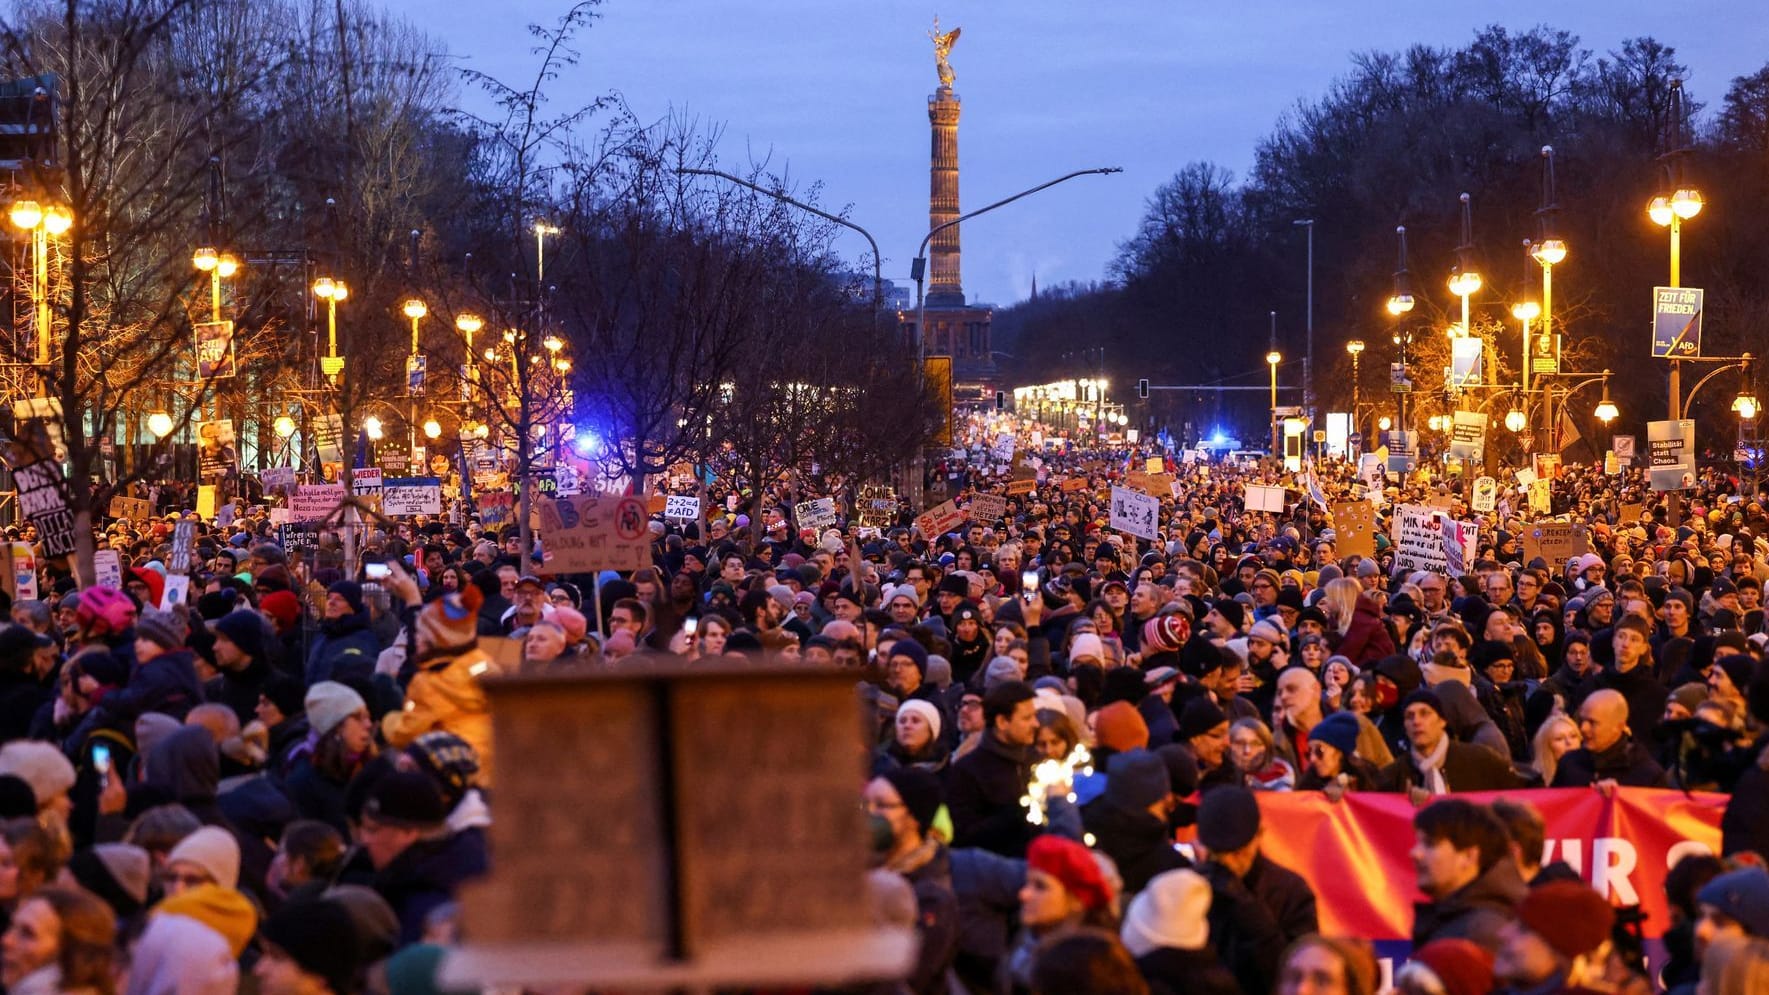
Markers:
<point>1468,435</point>
<point>681,507</point>
<point>1004,447</point>
<point>1623,447</point>
<point>206,495</point>
<point>21,574</point>
<point>1354,528</point>
<point>1621,843</point>
<point>176,591</point>
<point>1630,514</point>
<point>1485,496</point>
<point>107,568</point>
<point>1264,498</point>
<point>411,496</point>
<point>496,509</point>
<point>988,508</point>
<point>1021,486</point>
<point>218,453</point>
<point>1541,496</point>
<point>877,506</point>
<point>215,357</point>
<point>1458,545</point>
<point>1676,322</point>
<point>1417,532</point>
<point>315,502</point>
<point>1137,514</point>
<point>133,509</point>
<point>818,513</point>
<point>366,480</point>
<point>1073,484</point>
<point>1670,454</point>
<point>594,532</point>
<point>278,479</point>
<point>42,497</point>
<point>184,535</point>
<point>1547,465</point>
<point>939,520</point>
<point>1155,464</point>
<point>1554,542</point>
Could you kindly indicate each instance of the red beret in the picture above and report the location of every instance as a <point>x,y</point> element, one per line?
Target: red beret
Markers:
<point>1073,865</point>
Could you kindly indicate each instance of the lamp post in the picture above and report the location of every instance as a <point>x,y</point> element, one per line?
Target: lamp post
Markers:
<point>1272,359</point>
<point>1356,348</point>
<point>42,222</point>
<point>1670,211</point>
<point>1526,312</point>
<point>1400,303</point>
<point>415,309</point>
<point>331,291</point>
<point>1464,279</point>
<point>541,231</point>
<point>220,266</point>
<point>1308,319</point>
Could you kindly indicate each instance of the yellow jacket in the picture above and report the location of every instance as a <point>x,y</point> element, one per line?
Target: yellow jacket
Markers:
<point>445,694</point>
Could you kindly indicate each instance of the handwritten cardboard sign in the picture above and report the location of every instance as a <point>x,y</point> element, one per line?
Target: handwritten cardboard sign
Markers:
<point>43,498</point>
<point>313,502</point>
<point>1354,528</point>
<point>1554,542</point>
<point>939,520</point>
<point>592,532</point>
<point>818,513</point>
<point>133,509</point>
<point>1135,513</point>
<point>411,496</point>
<point>988,508</point>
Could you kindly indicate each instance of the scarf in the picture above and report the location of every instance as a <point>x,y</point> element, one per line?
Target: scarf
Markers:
<point>1431,766</point>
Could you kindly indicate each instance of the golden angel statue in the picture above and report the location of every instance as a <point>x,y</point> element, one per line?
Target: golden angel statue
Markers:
<point>942,48</point>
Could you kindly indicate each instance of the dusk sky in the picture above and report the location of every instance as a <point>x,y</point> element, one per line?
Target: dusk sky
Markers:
<point>835,90</point>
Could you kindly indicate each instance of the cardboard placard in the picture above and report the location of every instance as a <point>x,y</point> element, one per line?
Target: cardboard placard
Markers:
<point>411,496</point>
<point>1073,484</point>
<point>939,520</point>
<point>1417,532</point>
<point>1485,495</point>
<point>1265,498</point>
<point>107,568</point>
<point>589,532</point>
<point>1135,513</point>
<point>206,497</point>
<point>176,591</point>
<point>1554,542</point>
<point>315,502</point>
<point>1354,528</point>
<point>277,479</point>
<point>42,497</point>
<point>1021,486</point>
<point>133,509</point>
<point>818,513</point>
<point>987,508</point>
<point>496,509</point>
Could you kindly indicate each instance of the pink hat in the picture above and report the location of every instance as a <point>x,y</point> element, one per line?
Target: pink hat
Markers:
<point>573,622</point>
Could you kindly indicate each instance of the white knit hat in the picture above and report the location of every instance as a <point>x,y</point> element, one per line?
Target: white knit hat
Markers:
<point>1087,644</point>
<point>40,765</point>
<point>329,703</point>
<point>928,713</point>
<point>214,850</point>
<point>1170,912</point>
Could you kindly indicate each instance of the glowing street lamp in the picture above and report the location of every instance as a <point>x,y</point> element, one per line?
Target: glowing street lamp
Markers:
<point>284,426</point>
<point>373,427</point>
<point>1683,203</point>
<point>1272,359</point>
<point>42,222</point>
<point>332,292</point>
<point>1516,420</point>
<point>160,424</point>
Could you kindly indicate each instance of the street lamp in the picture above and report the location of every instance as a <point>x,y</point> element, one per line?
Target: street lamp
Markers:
<point>541,231</point>
<point>1683,202</point>
<point>1516,420</point>
<point>1401,301</point>
<point>331,291</point>
<point>1745,405</point>
<point>1272,359</point>
<point>160,424</point>
<point>432,429</point>
<point>1464,280</point>
<point>1606,410</point>
<point>1384,423</point>
<point>373,428</point>
<point>1356,348</point>
<point>1526,312</point>
<point>219,266</point>
<point>42,222</point>
<point>284,426</point>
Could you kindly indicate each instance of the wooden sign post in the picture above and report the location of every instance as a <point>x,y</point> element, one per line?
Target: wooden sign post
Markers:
<point>677,827</point>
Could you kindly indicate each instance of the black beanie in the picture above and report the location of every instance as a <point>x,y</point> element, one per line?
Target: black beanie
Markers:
<point>244,629</point>
<point>319,935</point>
<point>92,874</point>
<point>1424,696</point>
<point>920,791</point>
<point>1200,716</point>
<point>350,591</point>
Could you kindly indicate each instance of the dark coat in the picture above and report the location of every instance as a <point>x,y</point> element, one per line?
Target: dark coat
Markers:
<point>936,924</point>
<point>167,683</point>
<point>983,791</point>
<point>1171,971</point>
<point>1473,912</point>
<point>1243,929</point>
<point>427,875</point>
<point>317,796</point>
<point>1285,895</point>
<point>1745,824</point>
<point>239,690</point>
<point>20,697</point>
<point>1136,841</point>
<point>1645,695</point>
<point>987,885</point>
<point>1366,640</point>
<point>344,650</point>
<point>1626,762</point>
<point>1465,768</point>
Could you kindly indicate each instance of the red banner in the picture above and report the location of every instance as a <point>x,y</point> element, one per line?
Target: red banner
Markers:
<point>1354,853</point>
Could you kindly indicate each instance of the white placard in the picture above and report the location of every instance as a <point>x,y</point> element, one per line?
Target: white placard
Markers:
<point>1485,496</point>
<point>412,496</point>
<point>107,568</point>
<point>818,513</point>
<point>987,508</point>
<point>1265,498</point>
<point>1135,512</point>
<point>682,507</point>
<point>176,591</point>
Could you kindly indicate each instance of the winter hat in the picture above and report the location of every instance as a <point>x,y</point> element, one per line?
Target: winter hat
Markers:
<point>214,850</point>
<point>928,713</point>
<point>919,789</point>
<point>16,797</point>
<point>319,935</point>
<point>1569,915</point>
<point>163,629</point>
<point>1339,730</point>
<point>1073,865</point>
<point>283,608</point>
<point>1001,670</point>
<point>1742,895</point>
<point>1199,656</point>
<point>450,761</point>
<point>1690,695</point>
<point>939,671</point>
<point>1228,818</point>
<point>451,621</point>
<point>405,799</point>
<point>1740,668</point>
<point>1231,611</point>
<point>576,626</point>
<point>1119,726</point>
<point>39,765</point>
<point>104,610</point>
<point>1199,717</point>
<point>914,651</point>
<point>119,873</point>
<point>224,910</point>
<point>1135,779</point>
<point>1182,769</point>
<point>1165,633</point>
<point>1171,911</point>
<point>273,578</point>
<point>244,629</point>
<point>329,703</point>
<point>1087,645</point>
<point>350,591</point>
<point>1424,696</point>
<point>1461,967</point>
<point>1269,631</point>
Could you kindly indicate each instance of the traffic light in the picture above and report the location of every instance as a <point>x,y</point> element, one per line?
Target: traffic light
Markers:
<point>1142,388</point>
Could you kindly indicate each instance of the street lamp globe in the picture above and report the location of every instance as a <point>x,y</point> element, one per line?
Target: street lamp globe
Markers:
<point>1686,203</point>
<point>27,214</point>
<point>1384,423</point>
<point>432,429</point>
<point>372,426</point>
<point>1659,210</point>
<point>1434,423</point>
<point>1515,420</point>
<point>1273,357</point>
<point>57,219</point>
<point>1526,311</point>
<point>1746,406</point>
<point>469,323</point>
<point>415,309</point>
<point>160,424</point>
<point>1549,251</point>
<point>1355,346</point>
<point>553,343</point>
<point>491,355</point>
<point>1464,283</point>
<point>227,265</point>
<point>284,425</point>
<point>206,259</point>
<point>1400,304</point>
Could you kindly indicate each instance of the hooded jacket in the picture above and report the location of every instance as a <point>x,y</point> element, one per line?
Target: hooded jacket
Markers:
<point>427,874</point>
<point>1475,911</point>
<point>1366,640</point>
<point>344,651</point>
<point>445,694</point>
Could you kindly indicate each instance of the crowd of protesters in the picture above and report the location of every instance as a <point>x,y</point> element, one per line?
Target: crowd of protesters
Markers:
<point>282,783</point>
